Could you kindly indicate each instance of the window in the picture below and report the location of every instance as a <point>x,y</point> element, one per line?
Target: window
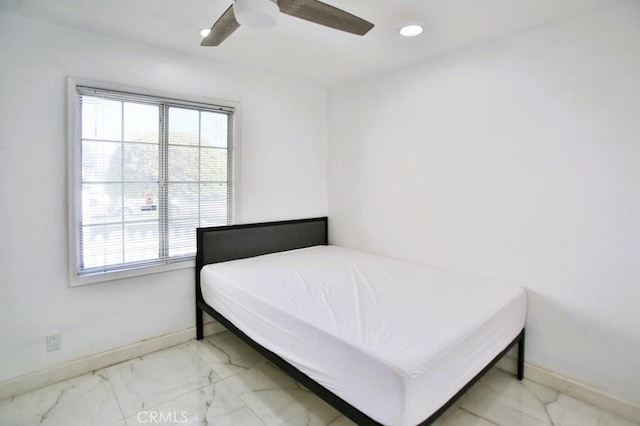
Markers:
<point>146,172</point>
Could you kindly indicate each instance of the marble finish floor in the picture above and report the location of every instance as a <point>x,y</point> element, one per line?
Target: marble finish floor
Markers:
<point>221,381</point>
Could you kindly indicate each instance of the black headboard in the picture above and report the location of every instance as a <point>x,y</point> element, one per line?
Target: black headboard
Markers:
<point>222,243</point>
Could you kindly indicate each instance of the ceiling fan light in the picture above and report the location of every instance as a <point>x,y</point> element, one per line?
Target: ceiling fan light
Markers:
<point>256,13</point>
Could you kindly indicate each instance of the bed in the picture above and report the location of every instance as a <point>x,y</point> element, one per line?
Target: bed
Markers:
<point>383,341</point>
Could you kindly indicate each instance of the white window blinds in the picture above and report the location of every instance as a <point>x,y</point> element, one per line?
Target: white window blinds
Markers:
<point>151,170</point>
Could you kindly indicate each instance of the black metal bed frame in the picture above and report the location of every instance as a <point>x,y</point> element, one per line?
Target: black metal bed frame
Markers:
<point>219,244</point>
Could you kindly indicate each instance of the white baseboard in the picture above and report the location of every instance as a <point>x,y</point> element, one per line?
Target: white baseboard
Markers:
<point>574,389</point>
<point>22,384</point>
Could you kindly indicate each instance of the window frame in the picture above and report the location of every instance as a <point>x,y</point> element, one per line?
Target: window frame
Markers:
<point>74,169</point>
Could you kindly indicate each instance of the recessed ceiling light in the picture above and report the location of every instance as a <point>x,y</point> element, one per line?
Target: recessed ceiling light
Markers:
<point>205,32</point>
<point>411,30</point>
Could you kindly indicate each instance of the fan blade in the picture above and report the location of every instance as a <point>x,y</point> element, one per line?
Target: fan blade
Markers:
<point>222,29</point>
<point>324,14</point>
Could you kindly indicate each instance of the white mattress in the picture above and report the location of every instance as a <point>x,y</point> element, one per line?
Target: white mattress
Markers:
<point>394,339</point>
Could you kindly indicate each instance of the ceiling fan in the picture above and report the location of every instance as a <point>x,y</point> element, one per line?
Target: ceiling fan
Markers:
<point>264,13</point>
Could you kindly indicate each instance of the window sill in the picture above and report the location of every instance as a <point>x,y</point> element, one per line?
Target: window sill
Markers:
<point>80,280</point>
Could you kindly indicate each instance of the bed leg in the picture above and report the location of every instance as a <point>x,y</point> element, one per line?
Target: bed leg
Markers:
<point>199,324</point>
<point>520,373</point>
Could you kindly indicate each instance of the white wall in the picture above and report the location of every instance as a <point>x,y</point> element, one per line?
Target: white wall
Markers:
<point>282,167</point>
<point>518,159</point>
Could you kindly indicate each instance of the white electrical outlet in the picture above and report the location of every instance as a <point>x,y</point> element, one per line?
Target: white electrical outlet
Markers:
<point>53,342</point>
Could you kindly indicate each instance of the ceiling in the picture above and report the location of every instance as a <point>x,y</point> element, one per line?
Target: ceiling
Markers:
<point>304,50</point>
